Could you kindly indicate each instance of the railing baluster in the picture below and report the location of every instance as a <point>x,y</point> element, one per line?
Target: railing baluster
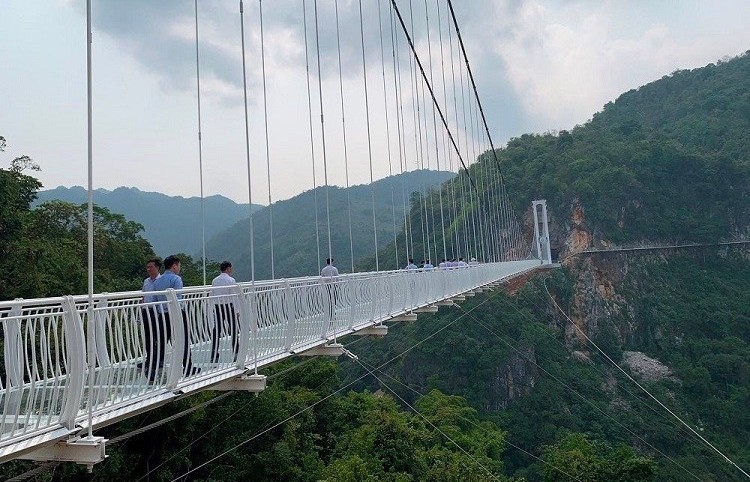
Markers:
<point>76,364</point>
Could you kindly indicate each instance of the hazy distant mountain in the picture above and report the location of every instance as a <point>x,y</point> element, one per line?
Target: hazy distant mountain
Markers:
<point>172,223</point>
<point>295,247</point>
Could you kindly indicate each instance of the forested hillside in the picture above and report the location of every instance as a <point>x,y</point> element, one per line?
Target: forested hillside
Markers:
<point>294,243</point>
<point>667,161</point>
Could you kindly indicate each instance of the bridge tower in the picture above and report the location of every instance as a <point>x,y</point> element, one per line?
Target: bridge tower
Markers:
<point>541,231</point>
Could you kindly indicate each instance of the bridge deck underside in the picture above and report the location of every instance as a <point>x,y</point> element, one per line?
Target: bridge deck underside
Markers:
<point>45,394</point>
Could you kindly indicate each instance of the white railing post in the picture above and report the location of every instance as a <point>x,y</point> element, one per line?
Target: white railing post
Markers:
<point>100,333</point>
<point>13,347</point>
<point>75,359</point>
<point>243,326</point>
<point>178,338</point>
<point>254,325</point>
<point>350,283</point>
<point>389,285</point>
<point>288,305</point>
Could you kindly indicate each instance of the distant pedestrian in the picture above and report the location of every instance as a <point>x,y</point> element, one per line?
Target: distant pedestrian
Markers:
<point>462,263</point>
<point>411,265</point>
<point>171,279</point>
<point>428,266</point>
<point>442,264</point>
<point>224,311</point>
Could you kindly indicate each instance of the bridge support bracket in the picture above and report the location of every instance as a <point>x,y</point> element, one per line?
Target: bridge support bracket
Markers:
<point>405,317</point>
<point>445,303</point>
<point>245,383</point>
<point>375,330</point>
<point>333,349</point>
<point>458,298</point>
<point>427,309</point>
<point>83,451</point>
<point>469,294</point>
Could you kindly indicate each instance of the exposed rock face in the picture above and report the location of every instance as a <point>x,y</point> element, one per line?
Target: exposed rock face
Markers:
<point>644,367</point>
<point>513,379</point>
<point>579,238</point>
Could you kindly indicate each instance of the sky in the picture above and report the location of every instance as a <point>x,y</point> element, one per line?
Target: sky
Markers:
<point>539,65</point>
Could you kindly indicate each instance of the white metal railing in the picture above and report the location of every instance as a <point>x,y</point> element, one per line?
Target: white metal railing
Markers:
<point>140,347</point>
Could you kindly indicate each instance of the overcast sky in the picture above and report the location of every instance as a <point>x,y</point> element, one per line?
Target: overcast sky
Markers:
<point>539,65</point>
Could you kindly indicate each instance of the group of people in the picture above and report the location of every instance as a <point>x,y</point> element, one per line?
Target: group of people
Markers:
<point>444,264</point>
<point>155,314</point>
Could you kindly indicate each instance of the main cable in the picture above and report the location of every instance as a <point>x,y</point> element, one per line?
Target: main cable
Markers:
<point>432,93</point>
<point>408,242</point>
<point>388,133</point>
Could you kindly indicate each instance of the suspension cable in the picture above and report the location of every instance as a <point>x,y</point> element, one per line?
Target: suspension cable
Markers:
<point>200,147</point>
<point>418,154</point>
<point>399,127</point>
<point>247,145</point>
<point>382,365</point>
<point>265,122</point>
<point>343,130</point>
<point>573,390</point>
<point>456,248</point>
<point>323,132</point>
<point>450,439</point>
<point>388,132</point>
<point>312,138</point>
<point>644,389</point>
<point>514,226</point>
<point>369,135</point>
<point>429,87</point>
<point>434,128</point>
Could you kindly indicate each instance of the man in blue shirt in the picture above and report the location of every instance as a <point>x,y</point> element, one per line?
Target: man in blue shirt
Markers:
<point>171,279</point>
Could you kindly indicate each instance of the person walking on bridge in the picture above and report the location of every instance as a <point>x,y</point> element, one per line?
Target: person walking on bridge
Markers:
<point>224,310</point>
<point>411,265</point>
<point>154,338</point>
<point>171,279</point>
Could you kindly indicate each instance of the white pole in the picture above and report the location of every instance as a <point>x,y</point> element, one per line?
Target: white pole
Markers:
<point>90,226</point>
<point>247,146</point>
<point>200,147</point>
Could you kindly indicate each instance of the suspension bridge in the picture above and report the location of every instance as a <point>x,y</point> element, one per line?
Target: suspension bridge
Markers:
<point>75,364</point>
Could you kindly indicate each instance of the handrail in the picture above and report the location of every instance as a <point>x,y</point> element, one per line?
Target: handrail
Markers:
<point>149,352</point>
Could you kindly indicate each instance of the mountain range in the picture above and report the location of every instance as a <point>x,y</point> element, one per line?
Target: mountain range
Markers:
<point>169,222</point>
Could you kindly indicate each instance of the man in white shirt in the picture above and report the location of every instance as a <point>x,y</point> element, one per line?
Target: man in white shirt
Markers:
<point>327,274</point>
<point>329,270</point>
<point>153,337</point>
<point>224,310</point>
<point>411,265</point>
